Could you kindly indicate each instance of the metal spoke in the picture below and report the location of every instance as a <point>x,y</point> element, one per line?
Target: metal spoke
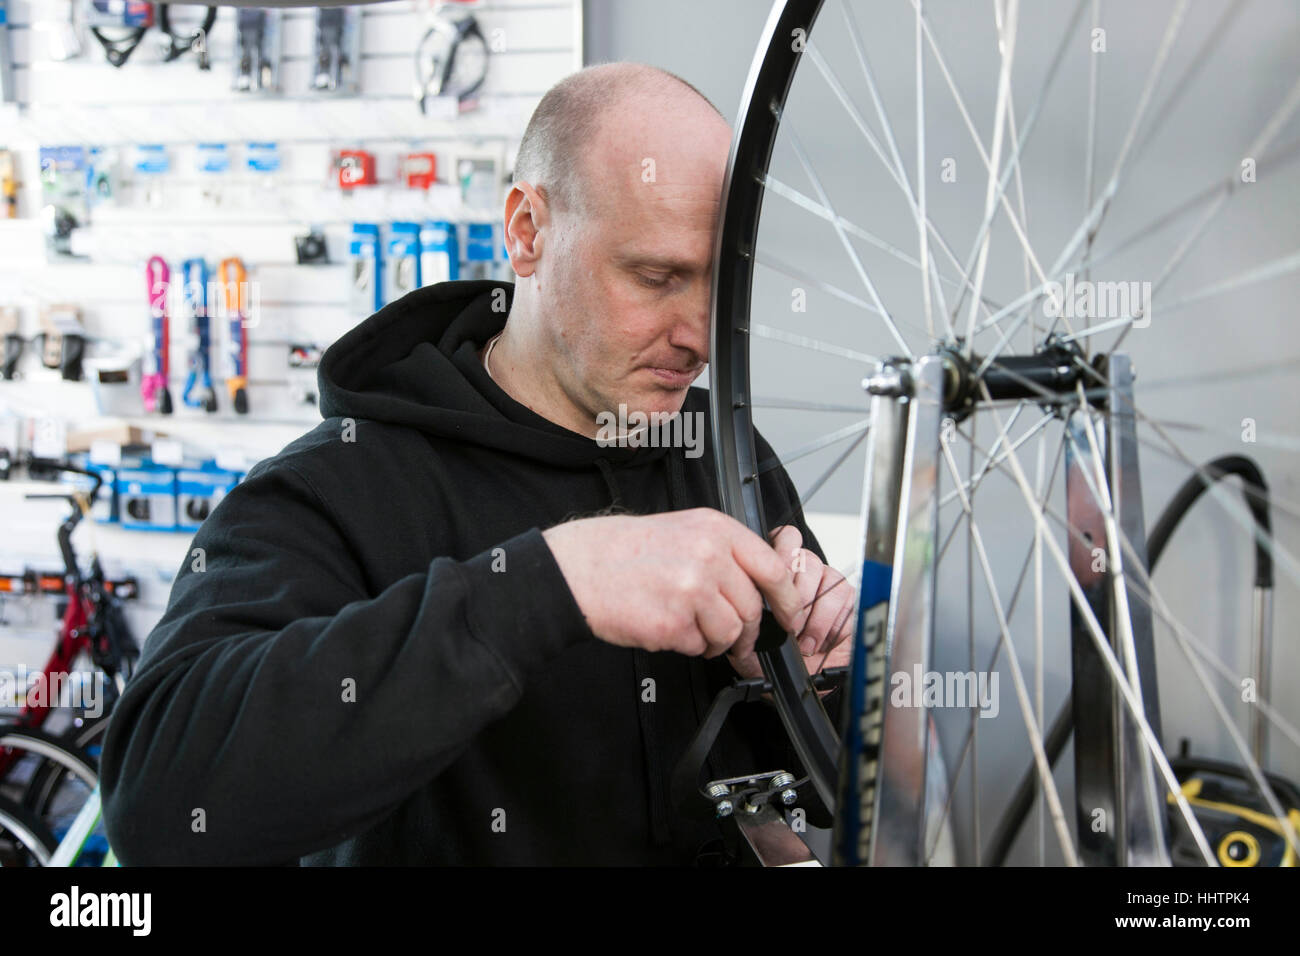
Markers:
<point>1197,62</point>
<point>1014,162</point>
<point>1269,270</point>
<point>796,404</point>
<point>815,345</point>
<point>923,222</point>
<point>1092,221</point>
<point>806,202</point>
<point>844,240</point>
<point>1011,607</point>
<point>993,197</point>
<point>1282,155</point>
<point>1117,540</point>
<point>809,447</point>
<point>922,239</point>
<point>1022,695</point>
<point>1103,649</point>
<point>1188,642</point>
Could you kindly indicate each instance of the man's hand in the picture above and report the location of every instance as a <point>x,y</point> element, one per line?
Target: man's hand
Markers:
<point>694,582</point>
<point>827,598</point>
<point>686,581</point>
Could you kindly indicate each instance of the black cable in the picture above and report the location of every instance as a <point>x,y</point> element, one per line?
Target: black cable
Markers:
<point>180,43</point>
<point>1255,491</point>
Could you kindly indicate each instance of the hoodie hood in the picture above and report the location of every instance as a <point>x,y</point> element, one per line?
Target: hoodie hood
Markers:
<point>415,362</point>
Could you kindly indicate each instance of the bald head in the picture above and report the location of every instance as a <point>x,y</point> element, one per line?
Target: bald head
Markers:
<point>590,125</point>
<point>610,229</point>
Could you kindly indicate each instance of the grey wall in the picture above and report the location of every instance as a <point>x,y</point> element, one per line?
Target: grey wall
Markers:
<point>1206,575</point>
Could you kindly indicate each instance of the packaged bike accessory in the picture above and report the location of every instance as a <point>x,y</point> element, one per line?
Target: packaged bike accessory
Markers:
<point>234,290</point>
<point>118,26</point>
<point>257,50</point>
<point>439,252</point>
<point>356,167</point>
<point>403,273</point>
<point>7,92</point>
<point>338,50</point>
<point>63,195</point>
<point>101,175</point>
<point>147,497</point>
<point>212,163</point>
<point>151,165</point>
<point>366,294</point>
<point>62,340</point>
<point>13,341</point>
<point>262,164</point>
<point>419,170</point>
<point>198,392</point>
<point>115,383</point>
<point>480,250</point>
<point>478,173</point>
<point>153,382</point>
<point>199,490</point>
<point>304,358</point>
<point>311,249</point>
<point>451,60</point>
<point>8,185</point>
<point>177,44</point>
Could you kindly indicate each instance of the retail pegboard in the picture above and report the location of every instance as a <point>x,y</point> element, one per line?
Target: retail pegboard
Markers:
<point>186,213</point>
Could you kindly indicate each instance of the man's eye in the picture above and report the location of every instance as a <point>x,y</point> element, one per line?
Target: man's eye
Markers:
<point>652,281</point>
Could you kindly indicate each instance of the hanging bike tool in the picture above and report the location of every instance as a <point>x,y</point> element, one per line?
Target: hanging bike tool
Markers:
<point>135,18</point>
<point>257,50</point>
<point>338,35</point>
<point>153,384</point>
<point>7,92</point>
<point>176,45</point>
<point>234,283</point>
<point>198,391</point>
<point>451,58</point>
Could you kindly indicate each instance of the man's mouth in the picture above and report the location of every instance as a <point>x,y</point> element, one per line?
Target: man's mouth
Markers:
<point>677,377</point>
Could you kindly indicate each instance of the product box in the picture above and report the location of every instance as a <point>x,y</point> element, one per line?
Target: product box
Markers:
<point>199,490</point>
<point>146,497</point>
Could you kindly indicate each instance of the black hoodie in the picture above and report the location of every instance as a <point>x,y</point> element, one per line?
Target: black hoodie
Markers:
<point>370,655</point>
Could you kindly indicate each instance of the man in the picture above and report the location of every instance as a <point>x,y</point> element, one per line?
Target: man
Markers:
<point>400,641</point>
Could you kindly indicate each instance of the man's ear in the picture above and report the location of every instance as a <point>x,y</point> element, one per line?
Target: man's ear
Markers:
<point>526,218</point>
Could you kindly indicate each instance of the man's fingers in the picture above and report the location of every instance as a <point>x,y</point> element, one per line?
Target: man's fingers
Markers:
<point>823,630</point>
<point>747,601</point>
<point>772,575</point>
<point>719,623</point>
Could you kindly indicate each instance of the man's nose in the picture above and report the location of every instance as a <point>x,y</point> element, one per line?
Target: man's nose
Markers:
<point>691,329</point>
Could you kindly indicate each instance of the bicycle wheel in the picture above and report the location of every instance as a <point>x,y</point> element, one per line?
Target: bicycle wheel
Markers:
<point>70,774</point>
<point>976,338</point>
<point>84,736</point>
<point>24,839</point>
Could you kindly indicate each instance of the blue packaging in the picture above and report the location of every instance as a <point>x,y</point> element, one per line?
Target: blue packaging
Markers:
<point>439,252</point>
<point>199,490</point>
<point>403,272</point>
<point>480,250</point>
<point>146,497</point>
<point>367,291</point>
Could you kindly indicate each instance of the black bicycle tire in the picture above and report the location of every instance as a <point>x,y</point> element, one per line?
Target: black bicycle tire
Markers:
<point>40,790</point>
<point>812,732</point>
<point>28,830</point>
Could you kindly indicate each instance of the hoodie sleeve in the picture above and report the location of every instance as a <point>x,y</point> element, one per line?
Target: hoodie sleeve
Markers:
<point>279,709</point>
